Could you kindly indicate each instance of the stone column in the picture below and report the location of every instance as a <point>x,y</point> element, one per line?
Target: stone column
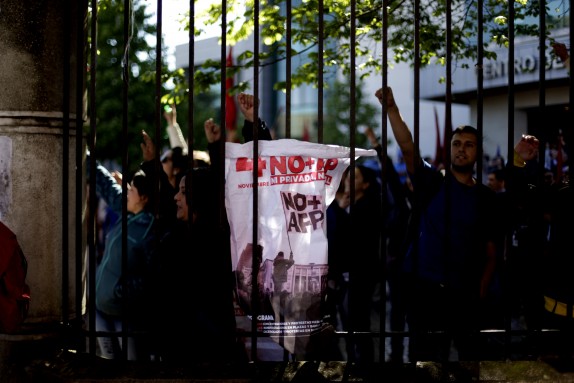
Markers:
<point>32,57</point>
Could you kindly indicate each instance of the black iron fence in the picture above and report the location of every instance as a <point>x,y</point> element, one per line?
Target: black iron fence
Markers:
<point>509,336</point>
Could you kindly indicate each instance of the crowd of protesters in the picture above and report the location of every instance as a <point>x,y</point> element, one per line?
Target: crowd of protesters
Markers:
<point>174,291</point>
<point>456,256</point>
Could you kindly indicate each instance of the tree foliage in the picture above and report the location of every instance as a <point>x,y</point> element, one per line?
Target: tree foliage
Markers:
<point>141,101</point>
<point>368,34</point>
<point>338,117</point>
<point>304,39</point>
<point>205,106</point>
<point>140,58</point>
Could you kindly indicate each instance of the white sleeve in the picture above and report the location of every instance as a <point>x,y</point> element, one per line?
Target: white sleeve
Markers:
<point>176,137</point>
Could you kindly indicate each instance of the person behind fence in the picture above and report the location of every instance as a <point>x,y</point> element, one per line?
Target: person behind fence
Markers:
<point>452,260</point>
<point>493,306</point>
<point>524,207</point>
<point>195,317</point>
<point>363,261</point>
<point>174,163</point>
<point>175,160</point>
<point>123,294</point>
<point>557,286</point>
<point>14,291</point>
<point>495,180</point>
<point>338,228</point>
<point>196,320</point>
<point>538,266</point>
<point>398,217</point>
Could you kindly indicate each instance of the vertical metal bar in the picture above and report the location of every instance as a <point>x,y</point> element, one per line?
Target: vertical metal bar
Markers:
<point>480,88</point>
<point>320,66</point>
<point>92,181</point>
<point>569,308</point>
<point>571,88</point>
<point>416,79</point>
<point>158,168</point>
<point>255,237</point>
<point>479,95</point>
<point>541,76</point>
<point>448,127</point>
<point>571,93</point>
<point>384,139</point>
<point>189,181</point>
<point>79,187</point>
<point>158,107</point>
<point>510,134</point>
<point>570,118</point>
<point>480,85</point>
<point>65,162</point>
<point>352,337</point>
<point>448,77</point>
<point>353,81</point>
<point>480,77</point>
<point>125,90</point>
<point>223,111</point>
<point>416,110</point>
<point>352,98</point>
<point>191,95</point>
<point>190,120</point>
<point>511,72</point>
<point>539,130</point>
<point>223,65</point>
<point>288,94</point>
<point>288,71</point>
<point>542,66</point>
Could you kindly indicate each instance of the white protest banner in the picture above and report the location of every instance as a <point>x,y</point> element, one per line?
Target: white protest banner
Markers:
<point>296,183</point>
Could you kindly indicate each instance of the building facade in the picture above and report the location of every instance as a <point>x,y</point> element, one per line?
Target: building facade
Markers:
<point>529,117</point>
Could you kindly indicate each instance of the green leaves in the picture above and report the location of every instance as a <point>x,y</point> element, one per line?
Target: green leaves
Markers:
<point>368,33</point>
<point>500,20</point>
<point>304,23</point>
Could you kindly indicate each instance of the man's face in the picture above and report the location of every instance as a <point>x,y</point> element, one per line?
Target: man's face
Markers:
<point>463,149</point>
<point>181,202</point>
<point>493,183</point>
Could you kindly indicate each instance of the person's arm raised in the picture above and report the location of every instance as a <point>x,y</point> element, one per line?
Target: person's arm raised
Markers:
<point>173,129</point>
<point>400,129</point>
<point>247,105</point>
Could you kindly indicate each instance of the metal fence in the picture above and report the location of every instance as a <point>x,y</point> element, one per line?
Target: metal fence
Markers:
<point>502,338</point>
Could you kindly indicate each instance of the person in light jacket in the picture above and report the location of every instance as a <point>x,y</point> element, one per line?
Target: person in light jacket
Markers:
<point>123,292</point>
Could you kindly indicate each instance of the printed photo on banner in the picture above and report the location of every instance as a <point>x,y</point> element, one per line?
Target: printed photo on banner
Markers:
<point>296,182</point>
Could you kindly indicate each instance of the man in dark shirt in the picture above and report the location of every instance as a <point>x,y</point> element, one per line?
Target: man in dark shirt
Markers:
<point>453,256</point>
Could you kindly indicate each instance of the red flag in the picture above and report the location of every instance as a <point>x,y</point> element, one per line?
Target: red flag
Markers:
<point>230,107</point>
<point>439,152</point>
<point>305,132</point>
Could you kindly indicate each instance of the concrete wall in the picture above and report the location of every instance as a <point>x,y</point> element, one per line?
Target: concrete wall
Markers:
<point>31,143</point>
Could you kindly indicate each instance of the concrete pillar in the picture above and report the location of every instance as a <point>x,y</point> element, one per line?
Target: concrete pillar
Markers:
<point>32,50</point>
